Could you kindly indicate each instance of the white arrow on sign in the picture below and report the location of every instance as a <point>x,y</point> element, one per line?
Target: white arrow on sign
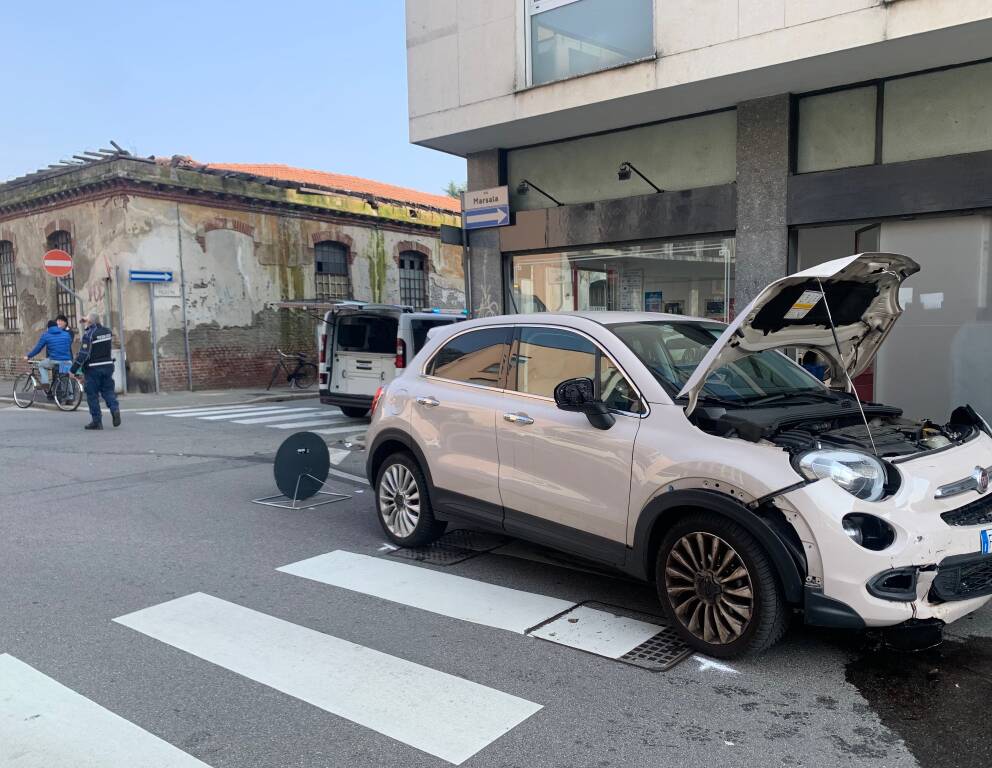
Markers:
<point>488,216</point>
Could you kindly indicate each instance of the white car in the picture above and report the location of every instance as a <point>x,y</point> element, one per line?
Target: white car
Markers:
<point>700,457</point>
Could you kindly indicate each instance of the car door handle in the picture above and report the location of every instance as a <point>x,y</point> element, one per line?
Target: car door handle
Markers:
<point>518,418</point>
<point>429,402</point>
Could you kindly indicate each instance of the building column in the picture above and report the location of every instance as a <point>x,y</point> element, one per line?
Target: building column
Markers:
<point>762,248</point>
<point>485,258</point>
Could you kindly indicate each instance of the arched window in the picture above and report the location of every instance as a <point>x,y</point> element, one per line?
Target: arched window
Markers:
<point>8,285</point>
<point>65,301</point>
<point>413,279</point>
<point>331,270</point>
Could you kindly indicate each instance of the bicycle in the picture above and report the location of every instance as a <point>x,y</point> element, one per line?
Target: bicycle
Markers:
<point>303,376</point>
<point>66,391</point>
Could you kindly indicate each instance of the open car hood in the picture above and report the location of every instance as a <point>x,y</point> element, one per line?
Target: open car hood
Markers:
<point>862,293</point>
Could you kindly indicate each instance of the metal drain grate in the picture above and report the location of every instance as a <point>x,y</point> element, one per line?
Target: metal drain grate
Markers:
<point>454,547</point>
<point>657,654</point>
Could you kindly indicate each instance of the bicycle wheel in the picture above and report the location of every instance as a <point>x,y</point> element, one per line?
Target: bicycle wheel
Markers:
<point>305,376</point>
<point>67,393</point>
<point>24,390</point>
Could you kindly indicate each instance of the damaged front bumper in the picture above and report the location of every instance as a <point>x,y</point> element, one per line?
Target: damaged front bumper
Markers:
<point>937,570</point>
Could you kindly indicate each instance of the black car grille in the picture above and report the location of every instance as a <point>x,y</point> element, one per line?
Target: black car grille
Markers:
<point>977,513</point>
<point>962,577</point>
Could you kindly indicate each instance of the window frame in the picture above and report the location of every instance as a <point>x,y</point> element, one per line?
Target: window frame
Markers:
<point>425,261</point>
<point>8,279</point>
<point>503,387</point>
<point>346,274</point>
<point>533,8</point>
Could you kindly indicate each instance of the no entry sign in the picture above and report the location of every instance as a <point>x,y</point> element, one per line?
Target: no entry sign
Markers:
<point>58,263</point>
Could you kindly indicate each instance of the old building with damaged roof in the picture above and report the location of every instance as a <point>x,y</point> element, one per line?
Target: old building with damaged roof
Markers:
<point>238,239</point>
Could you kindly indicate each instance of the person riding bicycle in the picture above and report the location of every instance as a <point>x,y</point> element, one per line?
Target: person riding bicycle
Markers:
<point>57,343</point>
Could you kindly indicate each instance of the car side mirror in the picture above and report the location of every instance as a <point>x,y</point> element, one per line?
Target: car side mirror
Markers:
<point>580,395</point>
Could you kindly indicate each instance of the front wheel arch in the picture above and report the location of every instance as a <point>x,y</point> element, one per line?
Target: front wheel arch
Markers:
<point>663,511</point>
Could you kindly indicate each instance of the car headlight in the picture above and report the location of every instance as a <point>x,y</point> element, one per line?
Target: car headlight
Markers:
<point>859,474</point>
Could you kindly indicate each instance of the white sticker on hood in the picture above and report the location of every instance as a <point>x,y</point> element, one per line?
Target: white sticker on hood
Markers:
<point>803,305</point>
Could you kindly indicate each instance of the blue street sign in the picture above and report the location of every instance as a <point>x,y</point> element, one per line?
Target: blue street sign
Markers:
<point>493,216</point>
<point>149,276</point>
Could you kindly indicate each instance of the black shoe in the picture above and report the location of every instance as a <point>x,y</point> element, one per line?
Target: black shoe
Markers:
<point>116,416</point>
<point>50,396</point>
<point>94,425</point>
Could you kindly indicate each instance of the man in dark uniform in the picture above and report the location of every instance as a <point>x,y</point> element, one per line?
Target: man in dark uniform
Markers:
<point>94,359</point>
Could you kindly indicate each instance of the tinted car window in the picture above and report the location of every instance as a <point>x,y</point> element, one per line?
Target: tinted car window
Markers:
<point>420,329</point>
<point>367,333</point>
<point>475,357</point>
<point>542,358</point>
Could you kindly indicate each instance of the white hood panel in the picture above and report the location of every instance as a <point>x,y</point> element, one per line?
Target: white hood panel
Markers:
<point>861,293</point>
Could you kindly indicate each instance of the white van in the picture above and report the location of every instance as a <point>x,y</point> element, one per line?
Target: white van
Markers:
<point>365,346</point>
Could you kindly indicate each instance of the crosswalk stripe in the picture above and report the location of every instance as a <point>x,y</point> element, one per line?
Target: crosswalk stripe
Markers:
<point>441,593</point>
<point>323,422</point>
<point>198,411</point>
<point>358,427</point>
<point>44,724</point>
<point>443,715</point>
<point>290,413</point>
<point>226,416</point>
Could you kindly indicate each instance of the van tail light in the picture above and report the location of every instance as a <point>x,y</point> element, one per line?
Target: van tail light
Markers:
<point>375,401</point>
<point>400,353</point>
<point>323,348</point>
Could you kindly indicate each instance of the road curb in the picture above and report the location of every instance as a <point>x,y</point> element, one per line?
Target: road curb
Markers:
<point>274,397</point>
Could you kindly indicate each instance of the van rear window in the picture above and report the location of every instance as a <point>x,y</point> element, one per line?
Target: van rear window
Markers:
<point>367,333</point>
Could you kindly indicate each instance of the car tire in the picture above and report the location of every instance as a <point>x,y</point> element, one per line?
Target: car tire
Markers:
<point>354,413</point>
<point>718,588</point>
<point>403,504</point>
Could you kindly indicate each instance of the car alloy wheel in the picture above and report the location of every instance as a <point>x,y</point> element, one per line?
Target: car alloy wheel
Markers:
<point>399,500</point>
<point>709,588</point>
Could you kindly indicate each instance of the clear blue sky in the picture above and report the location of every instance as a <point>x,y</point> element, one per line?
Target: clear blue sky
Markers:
<point>312,83</point>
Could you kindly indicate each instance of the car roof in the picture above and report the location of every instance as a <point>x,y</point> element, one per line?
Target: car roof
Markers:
<point>602,318</point>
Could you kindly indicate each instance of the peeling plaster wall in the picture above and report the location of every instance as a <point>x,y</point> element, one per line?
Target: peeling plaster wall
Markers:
<point>236,265</point>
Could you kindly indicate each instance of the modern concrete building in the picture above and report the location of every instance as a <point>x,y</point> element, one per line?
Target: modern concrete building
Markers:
<point>677,155</point>
<point>239,240</point>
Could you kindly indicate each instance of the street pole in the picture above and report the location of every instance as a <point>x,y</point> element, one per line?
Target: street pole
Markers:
<point>154,335</point>
<point>182,295</point>
<point>467,269</point>
<point>120,327</point>
<point>76,296</point>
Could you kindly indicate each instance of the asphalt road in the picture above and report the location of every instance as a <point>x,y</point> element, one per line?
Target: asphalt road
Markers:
<point>102,526</point>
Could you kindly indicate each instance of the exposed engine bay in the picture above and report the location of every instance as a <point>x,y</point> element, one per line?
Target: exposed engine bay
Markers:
<point>800,428</point>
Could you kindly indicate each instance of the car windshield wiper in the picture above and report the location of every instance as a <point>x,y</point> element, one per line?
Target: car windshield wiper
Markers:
<point>789,396</point>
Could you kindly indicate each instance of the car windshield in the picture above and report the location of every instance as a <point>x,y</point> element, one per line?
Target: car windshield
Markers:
<point>672,350</point>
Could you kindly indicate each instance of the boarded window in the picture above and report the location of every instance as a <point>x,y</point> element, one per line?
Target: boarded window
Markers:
<point>65,300</point>
<point>331,270</point>
<point>413,279</point>
<point>8,285</point>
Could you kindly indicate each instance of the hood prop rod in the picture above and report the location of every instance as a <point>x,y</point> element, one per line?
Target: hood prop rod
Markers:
<point>847,374</point>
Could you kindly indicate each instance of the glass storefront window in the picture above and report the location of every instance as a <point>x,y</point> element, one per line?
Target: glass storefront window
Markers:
<point>685,277</point>
<point>575,37</point>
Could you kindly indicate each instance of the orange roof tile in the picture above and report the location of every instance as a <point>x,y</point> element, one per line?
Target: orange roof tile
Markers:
<point>353,184</point>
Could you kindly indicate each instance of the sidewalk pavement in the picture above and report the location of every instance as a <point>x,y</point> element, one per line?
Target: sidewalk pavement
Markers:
<point>140,401</point>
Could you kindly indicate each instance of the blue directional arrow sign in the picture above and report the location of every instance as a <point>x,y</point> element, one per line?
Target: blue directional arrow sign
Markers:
<point>150,276</point>
<point>494,216</point>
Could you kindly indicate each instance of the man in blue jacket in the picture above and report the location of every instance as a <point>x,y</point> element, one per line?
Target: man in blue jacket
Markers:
<point>57,343</point>
<point>95,360</point>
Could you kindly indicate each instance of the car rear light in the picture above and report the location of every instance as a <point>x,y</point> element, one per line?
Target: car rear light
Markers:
<point>323,348</point>
<point>400,353</point>
<point>375,401</point>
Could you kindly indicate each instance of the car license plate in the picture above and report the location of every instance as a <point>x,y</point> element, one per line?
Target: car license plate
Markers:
<point>987,541</point>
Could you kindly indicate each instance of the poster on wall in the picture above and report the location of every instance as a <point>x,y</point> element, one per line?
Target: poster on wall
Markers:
<point>653,301</point>
<point>631,286</point>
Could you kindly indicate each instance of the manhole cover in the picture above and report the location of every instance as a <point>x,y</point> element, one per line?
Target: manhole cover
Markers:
<point>454,547</point>
<point>632,637</point>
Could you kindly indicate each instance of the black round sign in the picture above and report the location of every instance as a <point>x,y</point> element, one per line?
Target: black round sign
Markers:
<point>302,464</point>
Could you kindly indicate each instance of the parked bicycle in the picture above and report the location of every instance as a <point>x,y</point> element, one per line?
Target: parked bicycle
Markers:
<point>66,391</point>
<point>302,376</point>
